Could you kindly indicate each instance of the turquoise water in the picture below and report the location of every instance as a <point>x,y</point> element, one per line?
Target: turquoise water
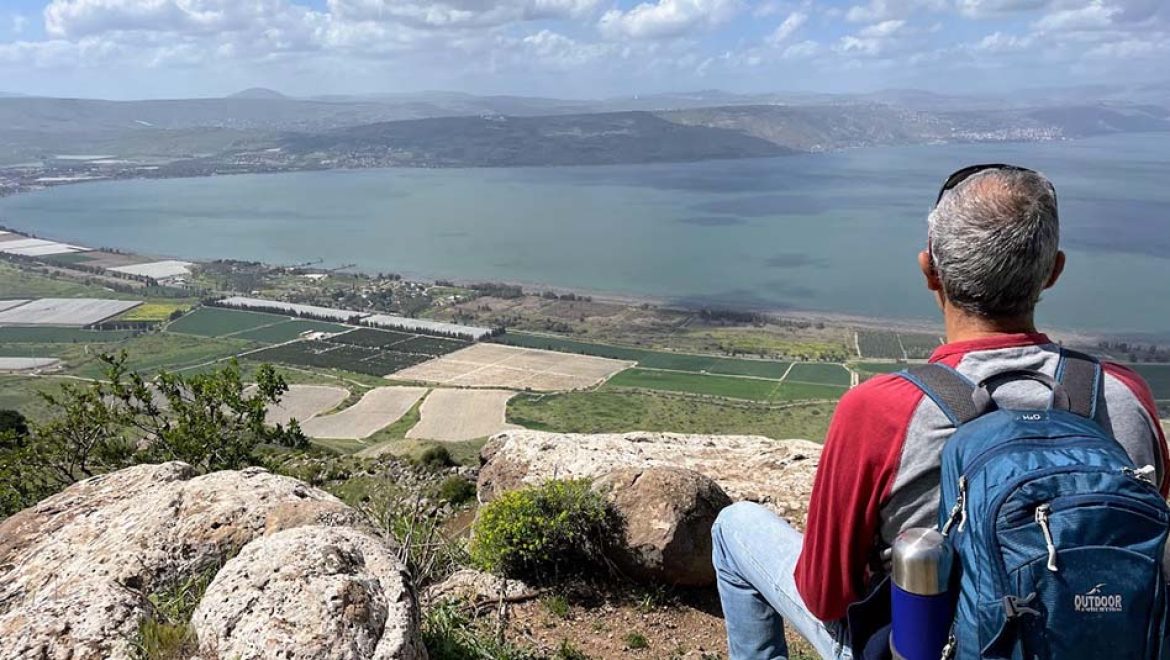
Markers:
<point>827,232</point>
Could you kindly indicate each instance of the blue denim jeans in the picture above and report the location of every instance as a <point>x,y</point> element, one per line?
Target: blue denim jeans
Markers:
<point>755,553</point>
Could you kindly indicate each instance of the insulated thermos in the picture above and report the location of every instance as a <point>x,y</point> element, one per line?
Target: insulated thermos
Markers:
<point>922,607</point>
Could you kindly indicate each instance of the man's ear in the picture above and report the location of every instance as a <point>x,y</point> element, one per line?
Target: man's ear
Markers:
<point>928,271</point>
<point>1057,269</point>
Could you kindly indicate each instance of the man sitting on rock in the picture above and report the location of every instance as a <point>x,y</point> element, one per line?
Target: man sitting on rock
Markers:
<point>991,250</point>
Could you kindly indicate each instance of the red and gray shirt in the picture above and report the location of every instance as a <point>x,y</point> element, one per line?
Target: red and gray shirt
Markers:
<point>879,472</point>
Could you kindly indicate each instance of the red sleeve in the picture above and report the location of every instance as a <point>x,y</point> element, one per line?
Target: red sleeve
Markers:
<point>1141,390</point>
<point>855,475</point>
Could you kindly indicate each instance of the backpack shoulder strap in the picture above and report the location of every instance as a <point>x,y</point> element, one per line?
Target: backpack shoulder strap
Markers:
<point>1081,376</point>
<point>950,390</point>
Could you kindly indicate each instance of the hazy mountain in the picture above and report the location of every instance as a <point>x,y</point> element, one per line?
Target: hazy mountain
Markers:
<point>262,93</point>
<point>610,130</point>
<point>591,139</point>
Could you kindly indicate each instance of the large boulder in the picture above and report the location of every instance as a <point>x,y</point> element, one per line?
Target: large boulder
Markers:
<point>666,515</point>
<point>77,569</point>
<point>775,473</point>
<point>312,593</point>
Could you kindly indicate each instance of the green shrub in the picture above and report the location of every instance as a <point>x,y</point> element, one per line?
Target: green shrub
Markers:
<point>436,456</point>
<point>450,635</point>
<point>556,605</point>
<point>635,641</point>
<point>560,526</point>
<point>569,651</point>
<point>456,490</point>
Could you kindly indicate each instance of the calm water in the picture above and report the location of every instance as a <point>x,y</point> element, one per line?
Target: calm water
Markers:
<point>832,232</point>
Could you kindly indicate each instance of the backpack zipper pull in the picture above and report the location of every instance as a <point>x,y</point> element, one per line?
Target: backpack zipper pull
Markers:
<point>1144,473</point>
<point>1042,520</point>
<point>959,510</point>
<point>962,502</point>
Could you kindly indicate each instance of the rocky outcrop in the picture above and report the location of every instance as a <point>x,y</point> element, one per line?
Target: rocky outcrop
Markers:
<point>666,515</point>
<point>77,569</point>
<point>311,593</point>
<point>775,473</point>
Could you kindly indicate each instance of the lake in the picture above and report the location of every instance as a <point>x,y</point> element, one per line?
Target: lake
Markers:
<point>823,232</point>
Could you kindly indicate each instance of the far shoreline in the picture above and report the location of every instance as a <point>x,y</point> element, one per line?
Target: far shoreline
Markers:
<point>837,319</point>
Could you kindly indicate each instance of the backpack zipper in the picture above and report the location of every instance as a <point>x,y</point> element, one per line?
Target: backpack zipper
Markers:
<point>959,510</point>
<point>1042,520</point>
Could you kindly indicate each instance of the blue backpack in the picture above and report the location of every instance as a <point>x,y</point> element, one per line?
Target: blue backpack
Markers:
<point>1058,536</point>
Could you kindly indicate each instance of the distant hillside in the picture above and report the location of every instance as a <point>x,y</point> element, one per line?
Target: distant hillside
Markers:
<point>258,93</point>
<point>621,137</point>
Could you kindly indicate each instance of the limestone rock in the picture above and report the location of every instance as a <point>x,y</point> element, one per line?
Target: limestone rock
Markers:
<point>76,569</point>
<point>301,513</point>
<point>774,473</point>
<point>322,593</point>
<point>478,587</point>
<point>667,515</point>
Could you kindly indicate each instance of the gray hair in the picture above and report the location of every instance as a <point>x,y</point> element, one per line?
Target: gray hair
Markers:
<point>994,240</point>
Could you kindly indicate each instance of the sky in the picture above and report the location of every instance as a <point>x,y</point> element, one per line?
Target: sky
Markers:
<point>122,49</point>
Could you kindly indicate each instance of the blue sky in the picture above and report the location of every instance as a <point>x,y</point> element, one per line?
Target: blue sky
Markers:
<point>573,48</point>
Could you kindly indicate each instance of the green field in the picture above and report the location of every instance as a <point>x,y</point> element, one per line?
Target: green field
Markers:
<point>652,359</point>
<point>217,322</point>
<point>754,389</point>
<point>618,412</point>
<point>1158,376</point>
<point>21,335</point>
<point>16,283</point>
<point>819,373</point>
<point>288,331</point>
<point>153,352</point>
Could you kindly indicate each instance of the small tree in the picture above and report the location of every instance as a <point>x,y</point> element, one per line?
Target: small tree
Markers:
<point>211,420</point>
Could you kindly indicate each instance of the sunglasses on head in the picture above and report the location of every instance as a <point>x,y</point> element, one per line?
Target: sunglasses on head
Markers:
<point>967,172</point>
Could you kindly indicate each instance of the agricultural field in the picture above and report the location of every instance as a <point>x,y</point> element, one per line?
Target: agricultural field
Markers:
<point>303,402</point>
<point>154,311</point>
<point>327,355</point>
<point>880,344</point>
<point>652,359</point>
<point>288,331</point>
<point>753,389</point>
<point>150,353</point>
<point>77,312</point>
<point>496,365</point>
<point>1158,376</point>
<point>218,322</point>
<point>605,411</point>
<point>18,283</point>
<point>867,370</point>
<point>890,345</point>
<point>372,338</point>
<point>819,373</point>
<point>10,364</point>
<point>453,415</point>
<point>57,335</point>
<point>377,409</point>
<point>919,346</point>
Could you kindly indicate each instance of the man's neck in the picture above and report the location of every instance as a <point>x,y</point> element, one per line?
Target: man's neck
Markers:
<point>964,326</point>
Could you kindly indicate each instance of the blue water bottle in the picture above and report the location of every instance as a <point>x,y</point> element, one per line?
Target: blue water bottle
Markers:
<point>923,608</point>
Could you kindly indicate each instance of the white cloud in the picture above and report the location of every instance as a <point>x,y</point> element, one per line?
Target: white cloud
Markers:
<point>998,42</point>
<point>988,8</point>
<point>19,23</point>
<point>882,30</point>
<point>459,13</point>
<point>788,27</point>
<point>666,18</point>
<point>1095,16</point>
<point>801,51</point>
<point>883,10</point>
